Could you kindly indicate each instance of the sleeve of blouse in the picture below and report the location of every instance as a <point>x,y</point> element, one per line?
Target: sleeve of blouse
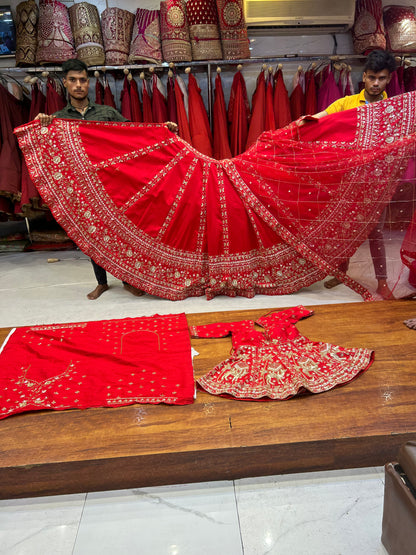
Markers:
<point>221,329</point>
<point>292,315</point>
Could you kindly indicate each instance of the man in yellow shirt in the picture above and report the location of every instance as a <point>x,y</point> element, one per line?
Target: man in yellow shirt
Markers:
<point>376,76</point>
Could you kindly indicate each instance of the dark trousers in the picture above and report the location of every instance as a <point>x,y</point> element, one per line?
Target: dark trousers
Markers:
<point>100,273</point>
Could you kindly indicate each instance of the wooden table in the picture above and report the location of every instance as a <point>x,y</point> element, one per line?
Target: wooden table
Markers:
<point>359,424</point>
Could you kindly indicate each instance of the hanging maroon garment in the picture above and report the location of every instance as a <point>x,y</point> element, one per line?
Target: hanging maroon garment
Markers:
<point>281,102</point>
<point>109,363</point>
<point>278,362</point>
<point>99,91</point>
<point>238,114</point>
<point>13,112</point>
<point>269,121</point>
<point>125,103</point>
<point>297,98</point>
<point>147,104</point>
<point>220,125</point>
<point>198,119</point>
<point>394,87</point>
<point>258,109</point>
<point>409,78</point>
<point>408,251</point>
<point>183,123</point>
<point>159,107</point>
<point>108,95</point>
<point>136,109</point>
<point>311,101</point>
<point>54,100</point>
<point>154,212</point>
<point>170,100</point>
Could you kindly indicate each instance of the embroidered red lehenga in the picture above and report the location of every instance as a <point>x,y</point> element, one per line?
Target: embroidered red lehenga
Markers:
<point>158,214</point>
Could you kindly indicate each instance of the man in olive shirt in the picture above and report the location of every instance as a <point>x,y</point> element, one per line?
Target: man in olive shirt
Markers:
<point>79,106</point>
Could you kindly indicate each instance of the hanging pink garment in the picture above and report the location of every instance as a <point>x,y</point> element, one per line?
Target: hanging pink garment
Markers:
<point>221,143</point>
<point>278,362</point>
<point>156,213</point>
<point>329,91</point>
<point>109,363</point>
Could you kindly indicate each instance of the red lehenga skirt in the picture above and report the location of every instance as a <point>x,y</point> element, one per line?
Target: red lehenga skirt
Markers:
<point>158,214</point>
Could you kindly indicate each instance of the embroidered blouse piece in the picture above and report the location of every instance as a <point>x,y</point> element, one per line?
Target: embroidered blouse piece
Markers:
<point>278,362</point>
<point>155,212</point>
<point>97,364</point>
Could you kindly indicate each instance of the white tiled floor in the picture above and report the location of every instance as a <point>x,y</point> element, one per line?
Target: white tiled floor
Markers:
<point>325,513</point>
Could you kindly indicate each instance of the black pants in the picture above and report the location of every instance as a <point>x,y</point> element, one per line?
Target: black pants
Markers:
<point>100,273</point>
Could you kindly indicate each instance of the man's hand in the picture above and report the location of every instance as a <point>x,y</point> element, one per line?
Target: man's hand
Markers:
<point>45,119</point>
<point>171,126</point>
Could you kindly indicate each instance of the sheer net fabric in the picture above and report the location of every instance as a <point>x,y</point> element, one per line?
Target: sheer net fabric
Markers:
<point>289,211</point>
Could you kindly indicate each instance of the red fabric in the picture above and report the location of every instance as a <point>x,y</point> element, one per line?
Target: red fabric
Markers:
<point>368,30</point>
<point>281,102</point>
<point>147,104</point>
<point>125,99</point>
<point>258,108</point>
<point>221,141</point>
<point>183,123</point>
<point>109,363</point>
<point>136,109</point>
<point>156,213</point>
<point>198,119</point>
<point>238,114</point>
<point>278,362</point>
<point>159,108</point>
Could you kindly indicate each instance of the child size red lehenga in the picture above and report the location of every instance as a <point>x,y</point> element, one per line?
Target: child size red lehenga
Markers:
<point>158,214</point>
<point>278,362</point>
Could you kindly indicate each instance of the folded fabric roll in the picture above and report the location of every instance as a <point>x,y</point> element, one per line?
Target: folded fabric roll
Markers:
<point>86,27</point>
<point>400,23</point>
<point>55,39</point>
<point>176,46</point>
<point>204,29</point>
<point>234,38</point>
<point>145,42</point>
<point>26,20</point>
<point>368,31</point>
<point>117,28</point>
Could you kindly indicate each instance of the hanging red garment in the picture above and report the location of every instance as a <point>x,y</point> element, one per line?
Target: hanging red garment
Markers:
<point>409,78</point>
<point>136,109</point>
<point>99,91</point>
<point>147,103</point>
<point>125,103</point>
<point>155,213</point>
<point>54,100</point>
<point>170,99</point>
<point>238,114</point>
<point>220,125</point>
<point>108,95</point>
<point>258,109</point>
<point>183,123</point>
<point>408,251</point>
<point>297,98</point>
<point>198,119</point>
<point>281,102</point>
<point>109,363</point>
<point>269,121</point>
<point>311,101</point>
<point>159,108</point>
<point>395,86</point>
<point>278,362</point>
